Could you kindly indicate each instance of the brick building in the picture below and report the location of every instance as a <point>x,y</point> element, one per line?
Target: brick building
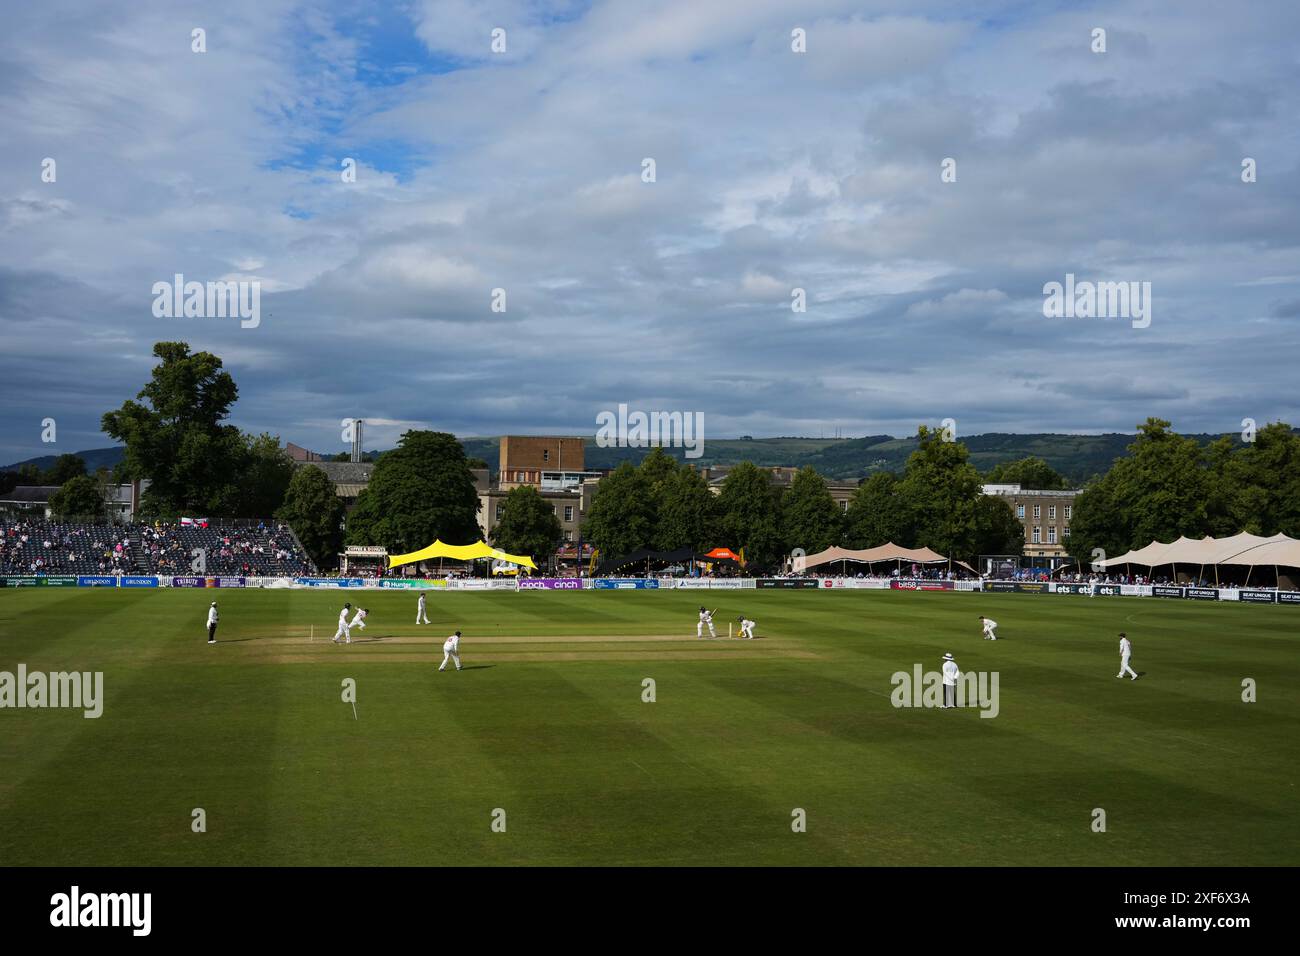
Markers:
<point>548,463</point>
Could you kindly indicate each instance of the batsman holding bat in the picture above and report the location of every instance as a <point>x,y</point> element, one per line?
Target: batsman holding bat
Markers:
<point>706,617</point>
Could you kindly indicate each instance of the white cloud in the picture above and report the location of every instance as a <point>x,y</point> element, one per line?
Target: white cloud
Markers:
<point>775,170</point>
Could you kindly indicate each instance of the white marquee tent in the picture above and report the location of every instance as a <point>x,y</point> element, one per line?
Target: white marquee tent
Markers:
<point>885,552</point>
<point>1247,550</point>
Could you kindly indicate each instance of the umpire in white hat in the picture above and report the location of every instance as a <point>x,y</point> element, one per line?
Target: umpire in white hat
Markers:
<point>950,677</point>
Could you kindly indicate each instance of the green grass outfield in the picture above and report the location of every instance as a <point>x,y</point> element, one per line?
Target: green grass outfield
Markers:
<point>547,723</point>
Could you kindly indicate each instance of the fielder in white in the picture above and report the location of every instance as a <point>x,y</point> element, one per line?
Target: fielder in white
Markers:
<point>706,617</point>
<point>451,650</point>
<point>212,623</point>
<point>1125,652</point>
<point>746,629</point>
<point>990,628</point>
<point>359,619</point>
<point>420,616</point>
<point>344,628</point>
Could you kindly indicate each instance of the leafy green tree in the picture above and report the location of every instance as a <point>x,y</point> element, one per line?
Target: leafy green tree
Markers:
<point>176,437</point>
<point>264,474</point>
<point>9,480</point>
<point>688,513</point>
<point>657,468</point>
<point>64,469</point>
<point>1029,473</point>
<point>1098,528</point>
<point>938,504</point>
<point>79,497</point>
<point>621,518</point>
<point>1258,484</point>
<point>1160,491</point>
<point>528,525</point>
<point>315,512</point>
<point>1163,485</point>
<point>420,491</point>
<point>812,519</point>
<point>1222,504</point>
<point>997,529</point>
<point>751,517</point>
<point>942,489</point>
<point>878,514</point>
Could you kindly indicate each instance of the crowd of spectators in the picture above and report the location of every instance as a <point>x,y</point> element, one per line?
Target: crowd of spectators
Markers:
<point>264,550</point>
<point>55,547</point>
<point>1075,577</point>
<point>164,548</point>
<point>914,572</point>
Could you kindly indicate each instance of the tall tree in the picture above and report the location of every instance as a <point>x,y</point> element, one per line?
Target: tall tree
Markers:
<point>997,529</point>
<point>688,513</point>
<point>878,514</point>
<point>812,519</point>
<point>1098,529</point>
<point>657,468</point>
<point>176,437</point>
<point>528,525</point>
<point>1260,483</point>
<point>621,518</point>
<point>79,497</point>
<point>1160,491</point>
<point>1029,473</point>
<point>265,471</point>
<point>420,491</point>
<point>942,488</point>
<point>315,512</point>
<point>65,468</point>
<point>751,516</point>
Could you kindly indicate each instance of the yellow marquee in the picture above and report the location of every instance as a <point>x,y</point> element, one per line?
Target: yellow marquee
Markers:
<point>459,552</point>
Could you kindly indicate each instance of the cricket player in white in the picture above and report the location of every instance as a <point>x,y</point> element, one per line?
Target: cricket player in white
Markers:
<point>1125,652</point>
<point>420,616</point>
<point>990,628</point>
<point>950,677</point>
<point>746,629</point>
<point>451,649</point>
<point>344,630</point>
<point>706,617</point>
<point>359,619</point>
<point>212,623</point>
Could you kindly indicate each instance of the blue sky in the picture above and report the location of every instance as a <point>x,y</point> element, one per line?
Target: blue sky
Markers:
<point>776,170</point>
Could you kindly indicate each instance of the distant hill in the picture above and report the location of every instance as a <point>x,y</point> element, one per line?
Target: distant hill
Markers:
<point>1078,457</point>
<point>95,458</point>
